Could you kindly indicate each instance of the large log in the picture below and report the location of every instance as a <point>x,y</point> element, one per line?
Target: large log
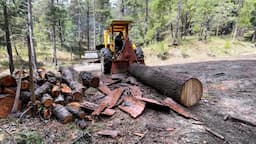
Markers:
<point>88,79</point>
<point>68,74</point>
<point>182,88</point>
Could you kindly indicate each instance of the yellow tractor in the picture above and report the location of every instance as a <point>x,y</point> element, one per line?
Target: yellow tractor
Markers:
<point>118,52</point>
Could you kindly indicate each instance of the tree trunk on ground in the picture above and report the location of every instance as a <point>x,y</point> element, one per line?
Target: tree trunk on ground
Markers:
<point>7,35</point>
<point>182,88</point>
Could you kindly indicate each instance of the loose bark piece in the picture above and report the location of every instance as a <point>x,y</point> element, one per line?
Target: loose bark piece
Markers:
<point>135,91</point>
<point>60,100</point>
<point>88,79</point>
<point>110,101</point>
<point>148,100</point>
<point>55,91</point>
<point>103,105</point>
<point>177,108</point>
<point>104,89</point>
<point>62,113</point>
<point>182,88</point>
<point>46,100</point>
<point>45,88</point>
<point>132,106</point>
<point>77,112</point>
<point>65,89</point>
<point>24,85</point>
<point>112,133</point>
<point>8,81</point>
<point>108,112</point>
<point>92,107</point>
<point>114,96</point>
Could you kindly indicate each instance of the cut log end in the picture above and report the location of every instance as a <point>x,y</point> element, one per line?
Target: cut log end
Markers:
<point>191,92</point>
<point>95,82</point>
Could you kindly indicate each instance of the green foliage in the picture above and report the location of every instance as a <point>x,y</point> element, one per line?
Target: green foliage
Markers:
<point>253,16</point>
<point>29,137</point>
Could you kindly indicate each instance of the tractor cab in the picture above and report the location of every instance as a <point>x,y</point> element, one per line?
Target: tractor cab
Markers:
<point>113,30</point>
<point>118,62</point>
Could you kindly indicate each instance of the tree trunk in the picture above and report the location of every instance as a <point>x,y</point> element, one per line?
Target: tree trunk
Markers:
<point>79,31</point>
<point>122,8</point>
<point>88,26</point>
<point>54,60</point>
<point>7,36</point>
<point>31,41</point>
<point>176,35</point>
<point>182,88</point>
<point>254,35</point>
<point>146,16</point>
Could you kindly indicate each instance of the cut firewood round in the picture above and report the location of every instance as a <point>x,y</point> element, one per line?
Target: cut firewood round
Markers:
<point>191,92</point>
<point>47,100</point>
<point>8,81</point>
<point>182,88</point>
<point>88,79</point>
<point>24,85</point>
<point>62,113</point>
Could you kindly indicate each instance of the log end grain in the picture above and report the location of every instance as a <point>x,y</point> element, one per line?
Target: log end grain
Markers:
<point>191,92</point>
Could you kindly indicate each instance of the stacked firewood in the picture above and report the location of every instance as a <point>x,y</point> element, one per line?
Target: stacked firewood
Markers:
<point>66,95</point>
<point>55,94</point>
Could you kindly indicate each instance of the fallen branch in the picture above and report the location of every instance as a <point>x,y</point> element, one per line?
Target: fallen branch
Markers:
<point>214,133</point>
<point>229,117</point>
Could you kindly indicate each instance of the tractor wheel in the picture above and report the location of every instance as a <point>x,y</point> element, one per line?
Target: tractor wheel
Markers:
<point>107,60</point>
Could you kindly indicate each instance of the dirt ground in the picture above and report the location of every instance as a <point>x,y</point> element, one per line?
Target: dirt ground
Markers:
<point>229,89</point>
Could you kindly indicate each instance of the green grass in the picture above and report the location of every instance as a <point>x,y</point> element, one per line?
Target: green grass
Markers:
<point>191,47</point>
<point>44,56</point>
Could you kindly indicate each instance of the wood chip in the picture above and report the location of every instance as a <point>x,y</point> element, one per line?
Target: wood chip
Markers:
<point>112,133</point>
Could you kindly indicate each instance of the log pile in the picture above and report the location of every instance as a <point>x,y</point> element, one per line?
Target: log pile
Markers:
<point>70,95</point>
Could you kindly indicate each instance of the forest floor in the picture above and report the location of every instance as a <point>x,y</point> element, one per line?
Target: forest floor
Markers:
<point>229,89</point>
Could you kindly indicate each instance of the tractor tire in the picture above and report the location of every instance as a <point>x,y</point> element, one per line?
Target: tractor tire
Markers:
<point>107,60</point>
